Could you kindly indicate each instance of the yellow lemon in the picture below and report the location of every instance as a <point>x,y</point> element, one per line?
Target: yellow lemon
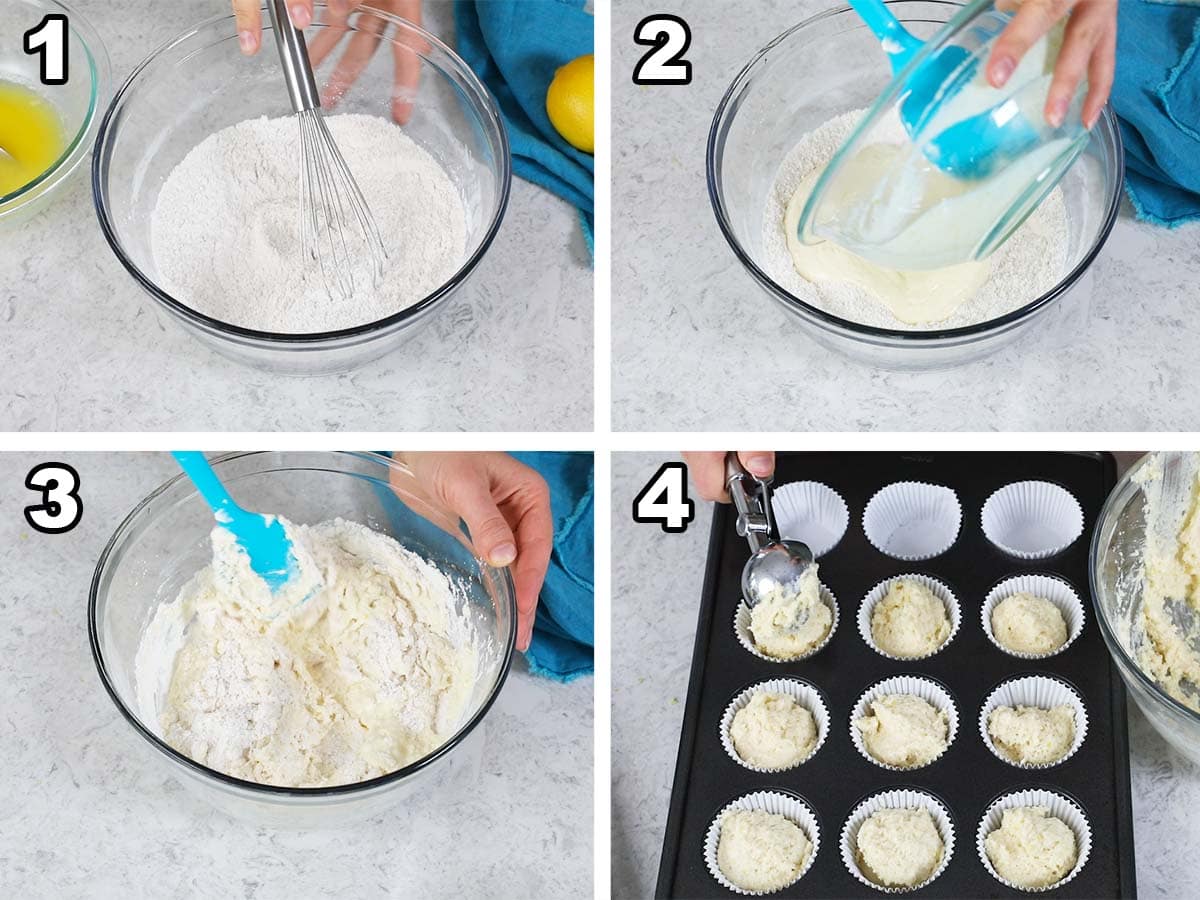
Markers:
<point>570,103</point>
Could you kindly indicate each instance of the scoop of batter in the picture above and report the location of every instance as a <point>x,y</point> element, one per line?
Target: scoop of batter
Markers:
<point>899,847</point>
<point>1031,848</point>
<point>1032,736</point>
<point>910,621</point>
<point>773,731</point>
<point>904,730</point>
<point>761,851</point>
<point>1024,623</point>
<point>791,620</point>
<point>370,673</point>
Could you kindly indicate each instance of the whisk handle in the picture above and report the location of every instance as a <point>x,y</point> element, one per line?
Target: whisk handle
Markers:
<point>293,55</point>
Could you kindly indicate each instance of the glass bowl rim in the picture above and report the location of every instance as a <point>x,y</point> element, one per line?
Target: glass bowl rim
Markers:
<point>488,107</point>
<point>1122,493</point>
<point>897,336</point>
<point>341,790</point>
<point>98,69</point>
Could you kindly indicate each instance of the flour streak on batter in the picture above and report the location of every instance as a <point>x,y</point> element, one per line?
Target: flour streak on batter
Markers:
<point>372,672</point>
<point>225,232</point>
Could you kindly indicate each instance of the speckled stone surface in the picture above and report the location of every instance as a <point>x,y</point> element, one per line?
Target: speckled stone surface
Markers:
<point>686,311</point>
<point>87,350</point>
<point>652,652</point>
<point>89,810</point>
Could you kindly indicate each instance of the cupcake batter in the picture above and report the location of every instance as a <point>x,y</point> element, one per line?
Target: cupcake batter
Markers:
<point>761,851</point>
<point>790,621</point>
<point>1031,736</point>
<point>1167,636</point>
<point>1031,848</point>
<point>373,671</point>
<point>916,297</point>
<point>899,847</point>
<point>1027,624</point>
<point>910,621</point>
<point>904,730</point>
<point>773,731</point>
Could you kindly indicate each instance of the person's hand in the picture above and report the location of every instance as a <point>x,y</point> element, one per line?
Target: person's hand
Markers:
<point>708,470</point>
<point>506,506</point>
<point>248,15</point>
<point>1089,48</point>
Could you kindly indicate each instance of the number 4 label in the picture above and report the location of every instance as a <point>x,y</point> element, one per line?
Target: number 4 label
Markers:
<point>670,37</point>
<point>664,500</point>
<point>49,38</point>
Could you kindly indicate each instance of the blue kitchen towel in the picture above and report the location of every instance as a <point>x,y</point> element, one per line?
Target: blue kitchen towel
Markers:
<point>563,633</point>
<point>515,47</point>
<point>1157,97</point>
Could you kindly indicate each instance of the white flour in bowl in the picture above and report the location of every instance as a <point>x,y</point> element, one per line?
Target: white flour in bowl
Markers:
<point>1031,263</point>
<point>225,232</point>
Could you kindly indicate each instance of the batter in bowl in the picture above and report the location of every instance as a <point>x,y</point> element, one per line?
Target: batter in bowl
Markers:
<point>370,673</point>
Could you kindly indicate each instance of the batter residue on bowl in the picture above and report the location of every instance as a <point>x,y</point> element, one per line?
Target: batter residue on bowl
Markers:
<point>226,239</point>
<point>370,673</point>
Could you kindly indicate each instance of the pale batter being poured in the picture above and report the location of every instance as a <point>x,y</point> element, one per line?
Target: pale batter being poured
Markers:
<point>371,672</point>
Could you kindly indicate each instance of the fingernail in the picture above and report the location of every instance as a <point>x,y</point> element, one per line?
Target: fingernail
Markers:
<point>1092,120</point>
<point>1002,70</point>
<point>759,465</point>
<point>300,16</point>
<point>503,555</point>
<point>1057,113</point>
<point>246,40</point>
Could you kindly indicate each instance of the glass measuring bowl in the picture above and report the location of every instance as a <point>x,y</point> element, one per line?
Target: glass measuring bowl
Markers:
<point>948,185</point>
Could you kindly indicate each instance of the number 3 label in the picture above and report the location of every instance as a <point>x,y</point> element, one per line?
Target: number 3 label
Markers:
<point>670,37</point>
<point>664,500</point>
<point>61,506</point>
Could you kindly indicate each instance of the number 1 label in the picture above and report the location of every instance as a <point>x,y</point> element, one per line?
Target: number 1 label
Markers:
<point>49,39</point>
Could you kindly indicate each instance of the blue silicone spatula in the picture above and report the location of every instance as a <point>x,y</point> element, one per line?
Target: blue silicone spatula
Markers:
<point>263,539</point>
<point>970,148</point>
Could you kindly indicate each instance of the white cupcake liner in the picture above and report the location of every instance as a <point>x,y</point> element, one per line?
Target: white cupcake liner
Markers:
<point>1052,588</point>
<point>928,690</point>
<point>1061,807</point>
<point>741,627</point>
<point>1032,519</point>
<point>802,692</point>
<point>901,798</point>
<point>1041,691</point>
<point>812,513</point>
<point>938,588</point>
<point>912,520</point>
<point>787,805</point>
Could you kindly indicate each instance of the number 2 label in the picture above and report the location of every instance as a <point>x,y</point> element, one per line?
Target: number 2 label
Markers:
<point>670,37</point>
<point>49,39</point>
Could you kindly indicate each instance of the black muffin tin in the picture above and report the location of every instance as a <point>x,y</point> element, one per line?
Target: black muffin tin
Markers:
<point>967,777</point>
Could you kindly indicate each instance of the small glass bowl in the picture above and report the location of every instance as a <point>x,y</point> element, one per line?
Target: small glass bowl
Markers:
<point>815,71</point>
<point>200,82</point>
<point>164,542</point>
<point>78,102</point>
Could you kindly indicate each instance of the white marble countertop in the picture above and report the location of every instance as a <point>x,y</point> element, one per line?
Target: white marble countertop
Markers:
<point>87,350</point>
<point>686,311</point>
<point>88,811</point>
<point>656,584</point>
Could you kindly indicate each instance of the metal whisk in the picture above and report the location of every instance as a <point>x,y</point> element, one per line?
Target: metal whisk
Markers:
<point>336,225</point>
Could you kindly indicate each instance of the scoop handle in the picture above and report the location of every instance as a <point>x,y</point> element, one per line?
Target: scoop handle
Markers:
<point>897,42</point>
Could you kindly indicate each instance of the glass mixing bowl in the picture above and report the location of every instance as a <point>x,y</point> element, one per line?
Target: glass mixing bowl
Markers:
<point>1116,560</point>
<point>825,66</point>
<point>78,102</point>
<point>164,542</point>
<point>200,82</point>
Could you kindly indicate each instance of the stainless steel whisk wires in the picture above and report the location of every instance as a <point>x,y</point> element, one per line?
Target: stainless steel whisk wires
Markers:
<point>336,225</point>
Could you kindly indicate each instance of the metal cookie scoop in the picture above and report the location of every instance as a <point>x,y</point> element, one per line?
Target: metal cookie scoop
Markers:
<point>772,560</point>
